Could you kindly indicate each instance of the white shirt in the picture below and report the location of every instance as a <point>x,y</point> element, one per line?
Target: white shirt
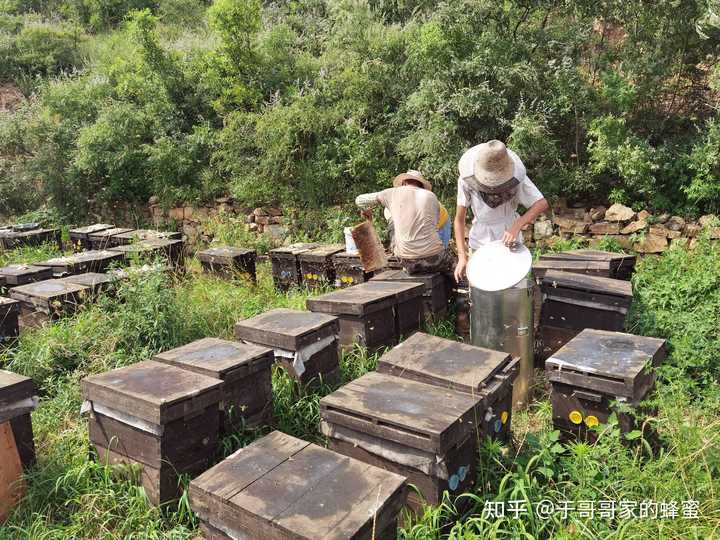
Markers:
<point>489,224</point>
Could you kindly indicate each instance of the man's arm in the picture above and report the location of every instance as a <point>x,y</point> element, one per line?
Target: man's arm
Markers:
<point>459,228</point>
<point>366,202</point>
<point>530,216</point>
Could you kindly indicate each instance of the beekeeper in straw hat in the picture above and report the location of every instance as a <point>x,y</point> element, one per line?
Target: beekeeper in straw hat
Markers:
<point>493,182</point>
<point>417,217</point>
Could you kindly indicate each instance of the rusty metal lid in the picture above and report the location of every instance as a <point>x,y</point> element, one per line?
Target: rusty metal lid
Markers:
<point>494,266</point>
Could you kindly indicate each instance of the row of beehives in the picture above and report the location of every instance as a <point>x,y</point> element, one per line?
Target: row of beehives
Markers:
<point>48,289</point>
<point>421,416</point>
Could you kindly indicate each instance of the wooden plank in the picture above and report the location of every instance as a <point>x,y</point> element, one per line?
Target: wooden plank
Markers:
<point>12,486</point>
<point>613,354</point>
<point>105,238</point>
<point>224,254</point>
<point>293,250</point>
<point>218,357</point>
<point>542,266</point>
<point>409,412</point>
<point>617,287</point>
<point>138,235</point>
<point>343,503</point>
<point>152,391</point>
<point>443,362</point>
<point>287,329</point>
<point>232,475</point>
<point>357,300</point>
<point>82,233</point>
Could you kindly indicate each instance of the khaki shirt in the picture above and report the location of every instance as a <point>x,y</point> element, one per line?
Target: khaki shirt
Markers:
<point>415,213</point>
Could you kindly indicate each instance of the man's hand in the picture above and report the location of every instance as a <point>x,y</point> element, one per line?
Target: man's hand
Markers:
<point>460,269</point>
<point>367,214</point>
<point>510,236</point>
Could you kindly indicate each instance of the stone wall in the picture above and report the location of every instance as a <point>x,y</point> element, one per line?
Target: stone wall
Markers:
<point>192,220</point>
<point>641,231</point>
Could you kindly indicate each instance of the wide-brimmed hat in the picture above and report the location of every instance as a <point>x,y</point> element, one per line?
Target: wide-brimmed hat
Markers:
<point>412,175</point>
<point>494,169</point>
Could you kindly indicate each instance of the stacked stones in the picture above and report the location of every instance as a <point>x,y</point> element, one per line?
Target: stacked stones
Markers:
<point>636,231</point>
<point>191,218</point>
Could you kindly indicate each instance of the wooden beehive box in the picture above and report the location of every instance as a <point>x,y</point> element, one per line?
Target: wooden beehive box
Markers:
<point>157,417</point>
<point>49,299</point>
<point>572,302</point>
<point>305,343</point>
<point>84,261</point>
<point>424,432</point>
<point>34,237</point>
<point>171,250</point>
<point>80,237</point>
<point>436,295</point>
<point>25,227</point>
<point>316,265</point>
<point>284,488</point>
<point>139,235</point>
<point>374,314</point>
<point>286,264</point>
<point>106,238</point>
<point>592,261</point>
<point>229,261</point>
<point>245,371</point>
<point>94,281</point>
<point>483,373</point>
<point>9,312</point>
<point>18,398</point>
<point>22,274</point>
<point>597,369</point>
<point>349,270</point>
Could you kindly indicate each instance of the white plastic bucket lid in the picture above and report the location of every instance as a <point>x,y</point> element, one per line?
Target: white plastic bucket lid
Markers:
<point>495,267</point>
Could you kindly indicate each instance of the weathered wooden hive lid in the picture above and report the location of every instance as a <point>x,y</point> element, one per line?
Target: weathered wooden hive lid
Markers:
<point>287,329</point>
<point>591,255</point>
<point>113,231</point>
<point>144,246</point>
<point>293,250</point>
<point>152,391</point>
<point>398,274</point>
<point>586,283</point>
<point>14,388</point>
<point>365,298</point>
<point>25,227</point>
<point>89,279</point>
<point>444,362</point>
<point>223,253</point>
<point>571,265</point>
<point>408,412</point>
<point>144,234</point>
<point>321,253</point>
<point>89,229</point>
<point>283,487</point>
<point>611,362</point>
<point>22,269</point>
<point>219,358</point>
<point>47,289</point>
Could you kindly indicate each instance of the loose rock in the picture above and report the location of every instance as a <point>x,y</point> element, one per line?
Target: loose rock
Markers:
<point>619,212</point>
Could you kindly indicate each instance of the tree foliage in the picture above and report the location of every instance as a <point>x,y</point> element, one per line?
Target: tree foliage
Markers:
<point>311,101</point>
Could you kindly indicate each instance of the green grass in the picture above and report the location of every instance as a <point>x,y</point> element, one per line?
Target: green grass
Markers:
<point>70,496</point>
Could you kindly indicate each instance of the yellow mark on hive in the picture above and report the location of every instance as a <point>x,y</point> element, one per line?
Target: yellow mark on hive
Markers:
<point>504,417</point>
<point>575,417</point>
<point>591,421</point>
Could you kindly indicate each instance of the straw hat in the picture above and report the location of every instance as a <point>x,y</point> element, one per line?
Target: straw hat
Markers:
<point>494,169</point>
<point>412,175</point>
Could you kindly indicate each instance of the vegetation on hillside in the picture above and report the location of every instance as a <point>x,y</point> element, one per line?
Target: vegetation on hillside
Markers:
<point>71,496</point>
<point>311,101</point>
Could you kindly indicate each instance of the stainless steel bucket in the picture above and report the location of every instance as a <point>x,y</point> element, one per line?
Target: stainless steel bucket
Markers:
<point>503,321</point>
